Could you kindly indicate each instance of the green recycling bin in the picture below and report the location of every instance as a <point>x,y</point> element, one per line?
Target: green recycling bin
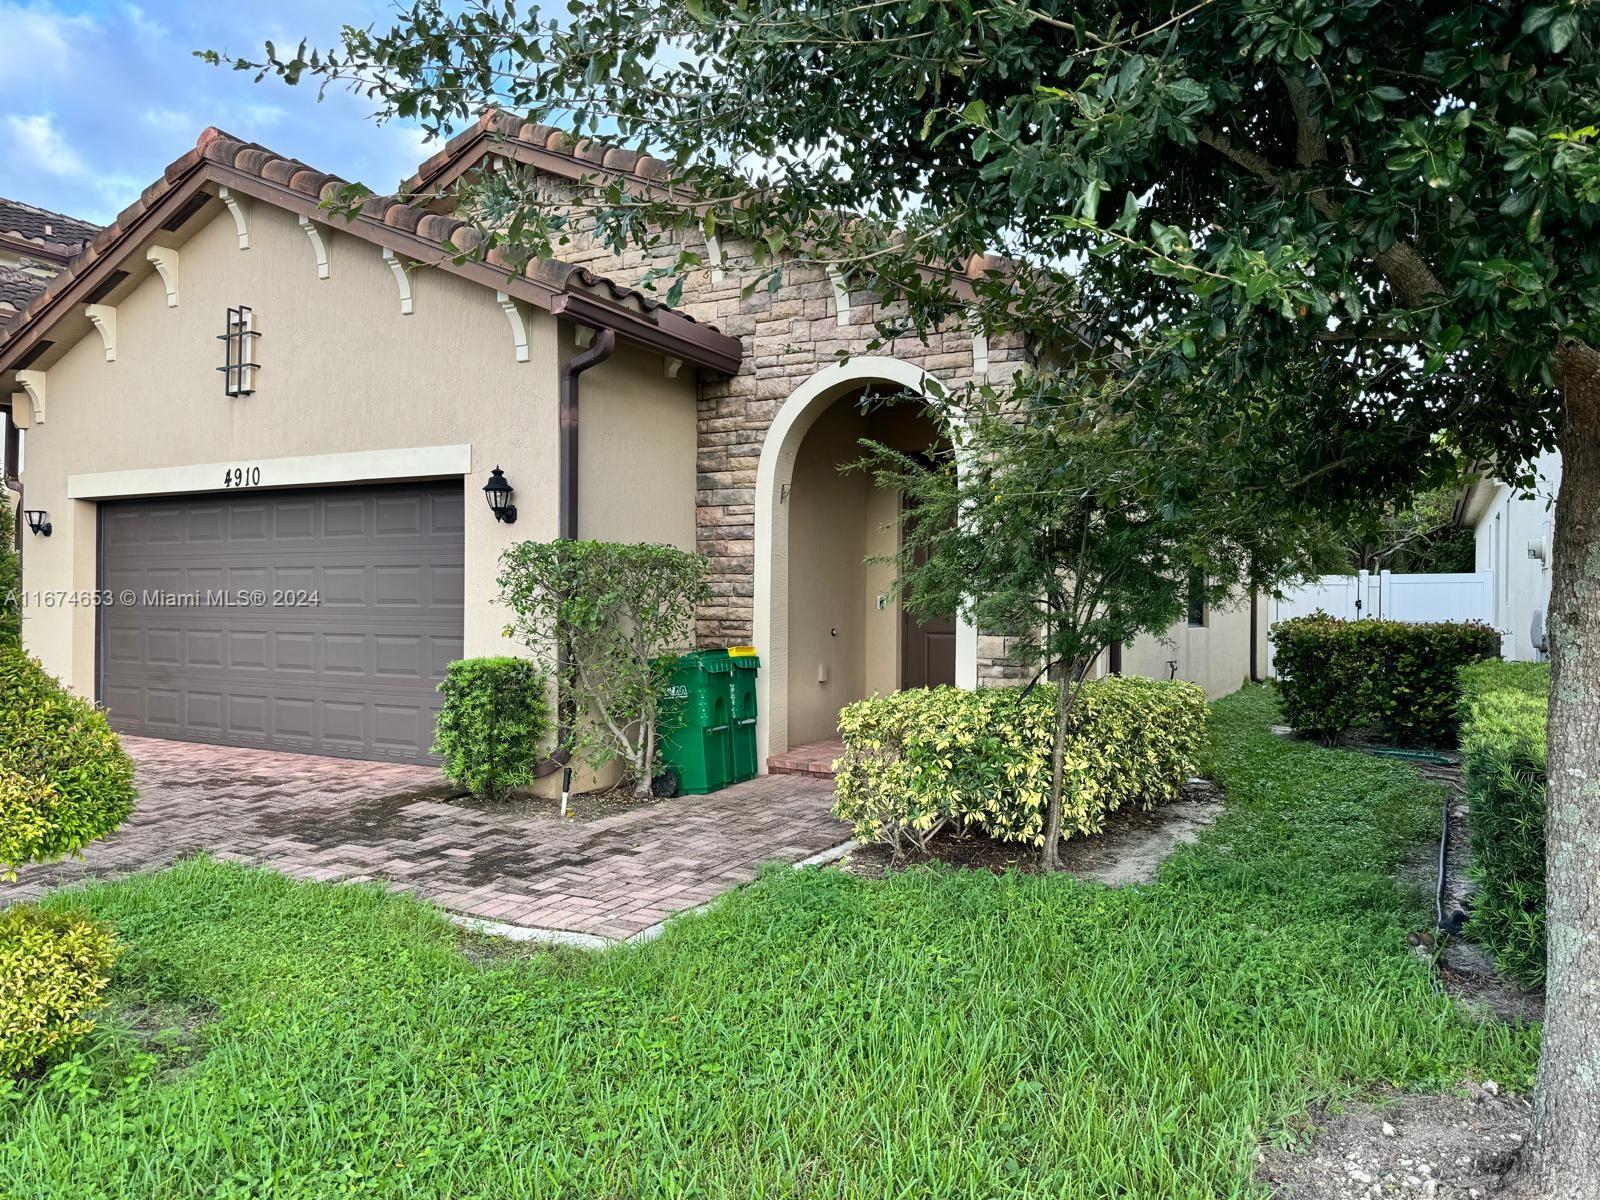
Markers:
<point>742,710</point>
<point>694,728</point>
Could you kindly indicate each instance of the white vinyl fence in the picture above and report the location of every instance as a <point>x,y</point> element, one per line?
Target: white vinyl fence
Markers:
<point>1417,598</point>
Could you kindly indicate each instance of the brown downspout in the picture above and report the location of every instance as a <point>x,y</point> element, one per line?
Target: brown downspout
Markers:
<point>1115,665</point>
<point>605,344</point>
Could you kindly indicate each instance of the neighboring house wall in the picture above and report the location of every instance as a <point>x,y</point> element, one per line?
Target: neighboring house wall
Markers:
<point>1513,532</point>
<point>343,372</point>
<point>1216,655</point>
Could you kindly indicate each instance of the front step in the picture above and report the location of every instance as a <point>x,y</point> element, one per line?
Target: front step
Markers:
<point>814,758</point>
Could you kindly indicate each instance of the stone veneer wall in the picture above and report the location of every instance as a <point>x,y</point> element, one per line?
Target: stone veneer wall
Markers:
<point>788,335</point>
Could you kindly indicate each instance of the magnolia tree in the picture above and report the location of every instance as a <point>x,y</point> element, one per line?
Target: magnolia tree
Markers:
<point>618,613</point>
<point>1058,526</point>
<point>1363,230</point>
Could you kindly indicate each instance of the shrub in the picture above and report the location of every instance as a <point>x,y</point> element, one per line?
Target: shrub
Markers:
<point>64,779</point>
<point>1503,743</point>
<point>916,759</point>
<point>53,967</point>
<point>492,726</point>
<point>1401,678</point>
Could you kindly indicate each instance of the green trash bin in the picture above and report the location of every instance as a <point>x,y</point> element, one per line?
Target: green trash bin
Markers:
<point>694,728</point>
<point>742,709</point>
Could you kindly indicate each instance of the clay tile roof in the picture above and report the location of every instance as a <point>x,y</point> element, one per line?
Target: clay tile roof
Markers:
<point>17,288</point>
<point>48,230</point>
<point>498,132</point>
<point>216,151</point>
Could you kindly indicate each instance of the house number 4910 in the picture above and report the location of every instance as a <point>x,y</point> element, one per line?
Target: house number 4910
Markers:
<point>235,477</point>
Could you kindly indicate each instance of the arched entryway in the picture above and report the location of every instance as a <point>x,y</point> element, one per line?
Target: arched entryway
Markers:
<point>827,623</point>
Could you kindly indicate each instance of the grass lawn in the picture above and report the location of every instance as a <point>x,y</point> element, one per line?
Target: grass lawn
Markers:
<point>932,1034</point>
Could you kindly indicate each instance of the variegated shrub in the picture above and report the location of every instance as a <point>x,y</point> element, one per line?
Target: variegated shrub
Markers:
<point>916,760</point>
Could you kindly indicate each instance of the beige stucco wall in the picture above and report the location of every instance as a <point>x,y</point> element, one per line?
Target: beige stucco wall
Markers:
<point>636,454</point>
<point>342,371</point>
<point>1215,655</point>
<point>837,521</point>
<point>827,543</point>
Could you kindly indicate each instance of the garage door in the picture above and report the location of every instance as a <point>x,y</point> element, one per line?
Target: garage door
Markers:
<point>317,621</point>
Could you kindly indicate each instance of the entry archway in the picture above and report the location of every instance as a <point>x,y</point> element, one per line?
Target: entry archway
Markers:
<point>774,478</point>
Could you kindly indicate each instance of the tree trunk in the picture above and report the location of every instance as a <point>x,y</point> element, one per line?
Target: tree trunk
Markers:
<point>1066,697</point>
<point>1562,1159</point>
<point>645,778</point>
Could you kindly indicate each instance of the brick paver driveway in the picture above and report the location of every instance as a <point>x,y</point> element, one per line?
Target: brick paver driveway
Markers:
<point>333,819</point>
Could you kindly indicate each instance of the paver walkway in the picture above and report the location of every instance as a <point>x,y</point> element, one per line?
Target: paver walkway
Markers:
<point>334,819</point>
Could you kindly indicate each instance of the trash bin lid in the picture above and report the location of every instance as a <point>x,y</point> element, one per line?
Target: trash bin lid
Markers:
<point>709,661</point>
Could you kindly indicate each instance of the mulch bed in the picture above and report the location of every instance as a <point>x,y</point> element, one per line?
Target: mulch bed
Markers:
<point>1084,856</point>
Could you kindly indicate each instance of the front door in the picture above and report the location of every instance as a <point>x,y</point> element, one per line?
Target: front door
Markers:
<point>928,647</point>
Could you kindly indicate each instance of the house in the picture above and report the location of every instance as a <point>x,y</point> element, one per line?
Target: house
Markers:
<point>1513,531</point>
<point>258,434</point>
<point>35,246</point>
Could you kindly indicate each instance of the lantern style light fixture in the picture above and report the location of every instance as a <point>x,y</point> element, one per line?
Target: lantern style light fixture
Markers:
<point>38,521</point>
<point>499,493</point>
<point>238,362</point>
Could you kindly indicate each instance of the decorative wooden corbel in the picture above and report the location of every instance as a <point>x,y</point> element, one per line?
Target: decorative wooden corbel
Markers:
<point>319,248</point>
<point>104,319</point>
<point>33,384</point>
<point>240,214</point>
<point>165,259</point>
<point>402,278</point>
<point>673,366</point>
<point>841,296</point>
<point>519,327</point>
<point>714,254</point>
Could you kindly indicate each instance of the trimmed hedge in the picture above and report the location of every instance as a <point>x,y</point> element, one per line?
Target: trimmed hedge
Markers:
<point>64,779</point>
<point>492,727</point>
<point>1503,744</point>
<point>53,968</point>
<point>1394,675</point>
<point>915,760</point>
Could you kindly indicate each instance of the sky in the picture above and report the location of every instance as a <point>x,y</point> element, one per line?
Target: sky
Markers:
<point>102,95</point>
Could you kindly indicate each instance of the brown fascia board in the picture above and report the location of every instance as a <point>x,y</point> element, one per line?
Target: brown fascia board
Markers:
<point>663,331</point>
<point>55,252</point>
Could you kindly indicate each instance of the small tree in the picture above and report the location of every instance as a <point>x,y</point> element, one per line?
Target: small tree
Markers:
<point>1065,530</point>
<point>615,611</point>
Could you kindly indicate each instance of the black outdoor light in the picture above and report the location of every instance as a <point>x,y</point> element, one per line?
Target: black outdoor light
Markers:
<point>38,521</point>
<point>499,493</point>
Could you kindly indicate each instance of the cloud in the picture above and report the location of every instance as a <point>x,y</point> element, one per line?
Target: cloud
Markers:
<point>36,141</point>
<point>70,150</point>
<point>39,42</point>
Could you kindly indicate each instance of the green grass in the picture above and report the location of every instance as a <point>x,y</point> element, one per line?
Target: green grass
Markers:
<point>934,1034</point>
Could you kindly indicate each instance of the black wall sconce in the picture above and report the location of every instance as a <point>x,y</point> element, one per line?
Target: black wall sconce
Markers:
<point>499,494</point>
<point>238,363</point>
<point>38,521</point>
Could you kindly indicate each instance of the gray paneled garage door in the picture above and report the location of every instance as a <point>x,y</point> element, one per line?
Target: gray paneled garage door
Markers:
<point>362,591</point>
